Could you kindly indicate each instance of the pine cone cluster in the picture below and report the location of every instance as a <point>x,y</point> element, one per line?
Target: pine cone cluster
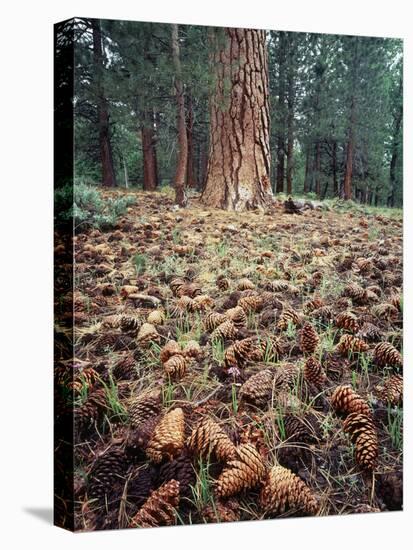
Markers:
<point>385,354</point>
<point>309,339</point>
<point>168,438</point>
<point>244,472</point>
<point>363,434</point>
<point>160,507</point>
<point>285,491</point>
<point>207,438</point>
<point>346,401</point>
<point>314,372</point>
<point>349,344</point>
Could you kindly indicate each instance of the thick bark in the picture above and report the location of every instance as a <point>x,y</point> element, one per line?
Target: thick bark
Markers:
<point>395,148</point>
<point>108,172</point>
<point>180,173</point>
<point>238,175</point>
<point>150,165</point>
<point>290,120</point>
<point>191,180</point>
<point>334,161</point>
<point>281,129</point>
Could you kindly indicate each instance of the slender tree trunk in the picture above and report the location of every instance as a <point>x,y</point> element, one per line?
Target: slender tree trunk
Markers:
<point>290,118</point>
<point>317,162</point>
<point>108,172</point>
<point>190,177</point>
<point>203,166</point>
<point>180,173</point>
<point>335,182</point>
<point>395,148</point>
<point>125,172</point>
<point>349,162</point>
<point>281,106</point>
<point>150,165</point>
<point>238,176</point>
<point>307,169</point>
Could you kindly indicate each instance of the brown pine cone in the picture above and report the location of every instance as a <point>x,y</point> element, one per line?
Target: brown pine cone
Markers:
<point>369,333</point>
<point>156,317</point>
<point>285,491</point>
<point>125,369</point>
<point>391,391</point>
<point>145,406</point>
<point>258,388</point>
<point>208,437</point>
<point>222,283</point>
<point>146,335</point>
<point>347,321</point>
<point>363,434</point>
<point>140,485</point>
<point>193,350</point>
<point>107,472</point>
<point>355,292</point>
<point>181,470</point>
<point>222,512</point>
<point>160,507</point>
<point>239,353</point>
<point>170,349</point>
<point>385,354</point>
<point>288,317</point>
<point>350,344</point>
<point>176,284</point>
<point>286,376</point>
<point>91,410</point>
<point>237,315</point>
<point>245,284</point>
<point>302,429</point>
<point>213,320</point>
<point>385,311</point>
<point>139,437</point>
<point>309,339</point>
<point>176,366</point>
<point>314,372</point>
<point>129,324</point>
<point>267,349</point>
<point>168,438</point>
<point>251,304</point>
<point>346,401</point>
<point>244,472</point>
<point>225,330</point>
<point>322,314</point>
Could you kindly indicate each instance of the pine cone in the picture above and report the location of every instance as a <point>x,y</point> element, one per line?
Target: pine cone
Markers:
<point>385,354</point>
<point>355,292</point>
<point>251,304</point>
<point>239,353</point>
<point>222,283</point>
<point>309,339</point>
<point>245,284</point>
<point>203,303</point>
<point>156,317</point>
<point>286,376</point>
<point>140,485</point>
<point>266,349</point>
<point>244,472</point>
<point>147,334</point>
<point>288,317</point>
<point>346,401</point>
<point>181,470</point>
<point>347,321</point>
<point>170,349</point>
<point>369,332</point>
<point>283,491</point>
<point>107,471</point>
<point>314,372</point>
<point>125,369</point>
<point>237,315</point>
<point>90,411</point>
<point>391,391</point>
<point>350,344</point>
<point>258,388</point>
<point>222,512</point>
<point>129,324</point>
<point>364,436</point>
<point>385,311</point>
<point>176,366</point>
<point>193,350</point>
<point>209,438</point>
<point>225,330</point>
<point>168,438</point>
<point>138,438</point>
<point>145,406</point>
<point>160,507</point>
<point>302,429</point>
<point>213,320</point>
<point>322,314</point>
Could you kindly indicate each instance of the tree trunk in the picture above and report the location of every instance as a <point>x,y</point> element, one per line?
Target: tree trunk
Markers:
<point>307,169</point>
<point>352,122</point>
<point>108,172</point>
<point>150,165</point>
<point>395,148</point>
<point>181,167</point>
<point>238,176</point>
<point>125,172</point>
<point>349,162</point>
<point>190,176</point>
<point>335,182</point>
<point>317,162</point>
<point>281,104</point>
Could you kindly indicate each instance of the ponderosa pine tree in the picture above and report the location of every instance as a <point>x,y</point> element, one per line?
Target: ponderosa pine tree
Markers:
<point>108,172</point>
<point>238,174</point>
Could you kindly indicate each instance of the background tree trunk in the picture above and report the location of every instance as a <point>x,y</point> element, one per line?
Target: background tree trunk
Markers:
<point>398,118</point>
<point>150,166</point>
<point>335,182</point>
<point>190,175</point>
<point>108,172</point>
<point>238,176</point>
<point>180,174</point>
<point>349,159</point>
<point>317,163</point>
<point>281,106</point>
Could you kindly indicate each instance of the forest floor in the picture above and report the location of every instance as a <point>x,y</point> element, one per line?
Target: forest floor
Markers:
<point>269,295</point>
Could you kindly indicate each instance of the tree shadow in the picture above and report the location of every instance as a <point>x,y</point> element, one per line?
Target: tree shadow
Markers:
<point>44,514</point>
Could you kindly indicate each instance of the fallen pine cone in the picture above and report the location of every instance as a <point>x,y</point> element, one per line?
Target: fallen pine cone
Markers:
<point>244,472</point>
<point>160,507</point>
